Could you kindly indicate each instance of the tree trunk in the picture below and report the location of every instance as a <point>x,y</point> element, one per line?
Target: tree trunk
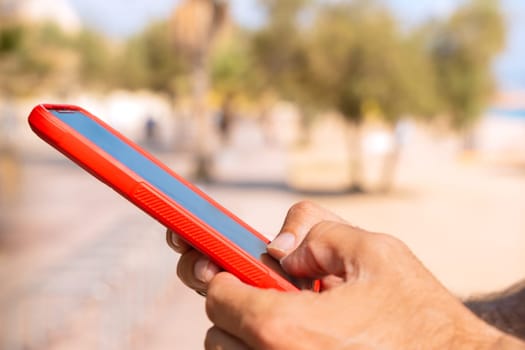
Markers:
<point>203,154</point>
<point>356,164</point>
<point>389,167</point>
<point>392,158</point>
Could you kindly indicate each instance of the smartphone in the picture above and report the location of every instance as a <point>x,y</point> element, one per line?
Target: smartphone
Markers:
<point>160,192</point>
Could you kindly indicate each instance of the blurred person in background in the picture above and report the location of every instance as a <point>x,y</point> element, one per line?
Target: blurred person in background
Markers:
<point>226,116</point>
<point>375,294</point>
<point>151,137</point>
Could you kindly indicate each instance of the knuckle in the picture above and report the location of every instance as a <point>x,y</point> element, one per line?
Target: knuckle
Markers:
<point>210,341</point>
<point>386,245</point>
<point>185,269</point>
<point>321,228</point>
<point>303,207</point>
<point>315,241</point>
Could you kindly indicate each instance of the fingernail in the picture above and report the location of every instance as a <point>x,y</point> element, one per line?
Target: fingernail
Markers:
<point>204,270</point>
<point>284,242</point>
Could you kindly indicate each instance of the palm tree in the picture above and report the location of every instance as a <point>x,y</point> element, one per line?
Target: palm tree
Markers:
<point>194,25</point>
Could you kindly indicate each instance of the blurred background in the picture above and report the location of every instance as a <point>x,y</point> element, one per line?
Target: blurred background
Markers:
<point>403,117</point>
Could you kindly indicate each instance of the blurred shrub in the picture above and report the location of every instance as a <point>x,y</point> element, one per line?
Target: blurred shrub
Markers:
<point>462,49</point>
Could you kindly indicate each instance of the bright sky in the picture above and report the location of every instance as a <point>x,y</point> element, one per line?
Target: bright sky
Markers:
<point>120,18</point>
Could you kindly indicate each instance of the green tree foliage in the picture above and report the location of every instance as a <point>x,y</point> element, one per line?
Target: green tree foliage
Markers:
<point>232,67</point>
<point>346,56</point>
<point>356,56</point>
<point>97,60</point>
<point>149,61</point>
<point>462,49</point>
<point>10,39</point>
<point>343,55</point>
<point>278,48</point>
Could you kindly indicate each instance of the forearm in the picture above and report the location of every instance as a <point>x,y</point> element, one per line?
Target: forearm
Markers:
<point>504,310</point>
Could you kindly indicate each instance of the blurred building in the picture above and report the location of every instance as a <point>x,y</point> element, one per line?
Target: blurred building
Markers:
<point>59,12</point>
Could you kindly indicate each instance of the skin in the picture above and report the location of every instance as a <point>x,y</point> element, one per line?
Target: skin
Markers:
<point>375,295</point>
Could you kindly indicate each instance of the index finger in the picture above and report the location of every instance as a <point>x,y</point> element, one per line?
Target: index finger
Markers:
<point>236,307</point>
<point>300,219</point>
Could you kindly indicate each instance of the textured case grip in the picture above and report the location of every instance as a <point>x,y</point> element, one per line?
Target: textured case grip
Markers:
<point>197,234</point>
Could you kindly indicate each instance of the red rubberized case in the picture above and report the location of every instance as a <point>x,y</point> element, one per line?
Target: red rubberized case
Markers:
<point>154,202</point>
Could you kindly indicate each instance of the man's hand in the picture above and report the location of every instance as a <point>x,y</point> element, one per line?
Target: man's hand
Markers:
<point>196,270</point>
<point>386,299</point>
<point>376,295</point>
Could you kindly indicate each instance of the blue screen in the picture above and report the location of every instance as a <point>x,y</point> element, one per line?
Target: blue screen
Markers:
<point>163,181</point>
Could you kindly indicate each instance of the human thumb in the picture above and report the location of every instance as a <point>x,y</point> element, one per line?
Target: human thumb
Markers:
<point>330,248</point>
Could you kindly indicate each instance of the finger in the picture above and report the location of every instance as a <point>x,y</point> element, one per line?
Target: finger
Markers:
<point>331,248</point>
<point>216,339</point>
<point>236,307</point>
<point>331,281</point>
<point>301,217</point>
<point>196,270</point>
<point>176,242</point>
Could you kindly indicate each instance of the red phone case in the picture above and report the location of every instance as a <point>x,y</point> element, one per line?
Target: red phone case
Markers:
<point>158,205</point>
